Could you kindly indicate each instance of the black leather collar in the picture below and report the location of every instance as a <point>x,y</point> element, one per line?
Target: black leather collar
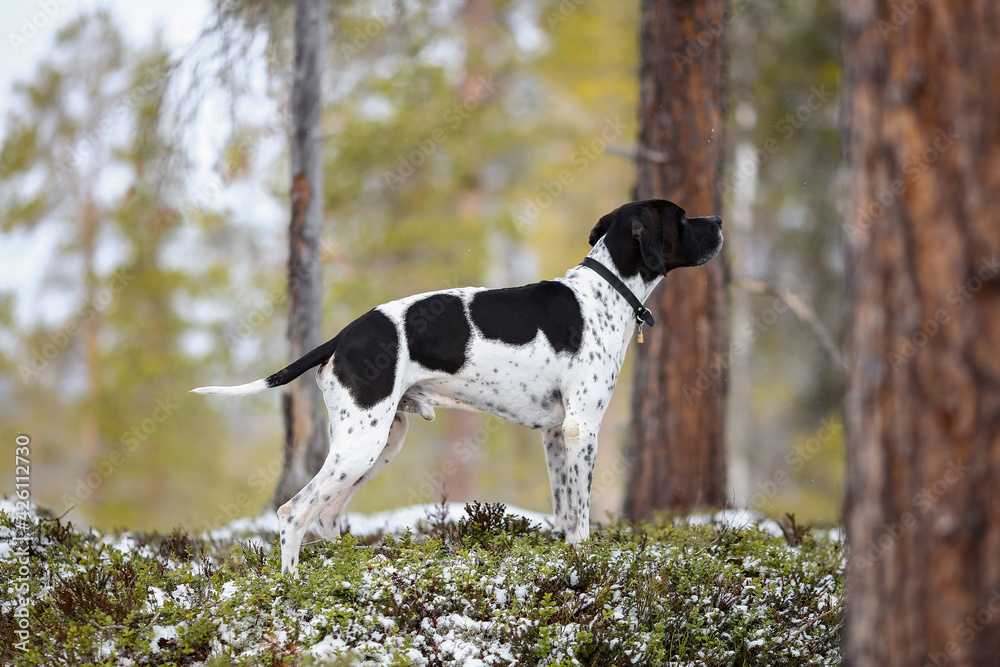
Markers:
<point>642,314</point>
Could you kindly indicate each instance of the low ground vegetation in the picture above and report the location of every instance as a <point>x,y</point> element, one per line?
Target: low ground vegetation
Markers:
<point>490,589</point>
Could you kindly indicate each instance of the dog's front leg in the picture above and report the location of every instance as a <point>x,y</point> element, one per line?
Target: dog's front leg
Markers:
<point>581,453</point>
<point>555,461</point>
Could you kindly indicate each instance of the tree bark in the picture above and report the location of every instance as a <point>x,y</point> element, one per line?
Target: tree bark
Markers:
<point>305,441</point>
<point>922,409</point>
<point>677,450</point>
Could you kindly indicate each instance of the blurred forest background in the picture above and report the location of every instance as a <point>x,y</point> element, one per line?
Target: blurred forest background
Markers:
<point>144,216</point>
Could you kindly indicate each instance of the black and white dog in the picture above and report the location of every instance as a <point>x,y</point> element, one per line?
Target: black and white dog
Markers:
<point>545,356</point>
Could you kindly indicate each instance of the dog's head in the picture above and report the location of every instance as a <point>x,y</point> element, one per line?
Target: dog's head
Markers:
<point>654,236</point>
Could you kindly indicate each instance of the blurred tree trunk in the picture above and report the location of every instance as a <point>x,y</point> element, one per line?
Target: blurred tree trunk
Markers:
<point>923,402</point>
<point>305,441</point>
<point>90,430</point>
<point>677,450</point>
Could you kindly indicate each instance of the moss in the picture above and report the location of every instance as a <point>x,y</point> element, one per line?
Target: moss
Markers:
<point>491,588</point>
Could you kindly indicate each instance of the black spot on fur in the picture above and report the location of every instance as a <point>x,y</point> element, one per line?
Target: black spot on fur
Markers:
<point>365,362</point>
<point>437,332</point>
<point>553,398</point>
<point>516,314</point>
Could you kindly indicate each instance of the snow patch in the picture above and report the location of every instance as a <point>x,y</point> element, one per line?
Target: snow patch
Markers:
<point>735,519</point>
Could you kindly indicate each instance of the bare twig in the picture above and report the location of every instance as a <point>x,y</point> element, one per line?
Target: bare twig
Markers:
<point>641,151</point>
<point>652,155</point>
<point>818,618</point>
<point>58,518</point>
<point>125,627</point>
<point>801,310</point>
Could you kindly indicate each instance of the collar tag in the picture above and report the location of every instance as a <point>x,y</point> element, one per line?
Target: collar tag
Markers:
<point>642,314</point>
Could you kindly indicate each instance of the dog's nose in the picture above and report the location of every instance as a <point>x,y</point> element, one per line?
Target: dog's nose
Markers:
<point>711,219</point>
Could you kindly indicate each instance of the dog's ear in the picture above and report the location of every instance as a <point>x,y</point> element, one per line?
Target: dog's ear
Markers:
<point>647,231</point>
<point>601,228</point>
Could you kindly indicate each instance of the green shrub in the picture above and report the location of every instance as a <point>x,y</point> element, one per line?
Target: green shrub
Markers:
<point>491,587</point>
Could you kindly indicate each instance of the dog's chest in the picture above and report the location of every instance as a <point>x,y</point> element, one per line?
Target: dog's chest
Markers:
<point>522,384</point>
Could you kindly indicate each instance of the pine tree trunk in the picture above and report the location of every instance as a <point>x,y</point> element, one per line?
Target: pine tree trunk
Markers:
<point>305,441</point>
<point>922,410</point>
<point>677,451</point>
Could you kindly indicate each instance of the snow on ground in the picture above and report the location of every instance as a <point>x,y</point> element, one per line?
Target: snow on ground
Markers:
<point>6,534</point>
<point>398,521</point>
<point>395,522</point>
<point>734,519</point>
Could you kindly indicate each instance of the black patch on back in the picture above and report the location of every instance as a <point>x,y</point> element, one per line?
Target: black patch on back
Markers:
<point>515,315</point>
<point>437,332</point>
<point>366,358</point>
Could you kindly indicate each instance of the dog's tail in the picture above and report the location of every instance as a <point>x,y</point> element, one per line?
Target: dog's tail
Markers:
<point>284,376</point>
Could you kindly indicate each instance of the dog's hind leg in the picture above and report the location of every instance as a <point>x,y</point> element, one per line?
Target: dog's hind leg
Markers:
<point>348,462</point>
<point>328,523</point>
